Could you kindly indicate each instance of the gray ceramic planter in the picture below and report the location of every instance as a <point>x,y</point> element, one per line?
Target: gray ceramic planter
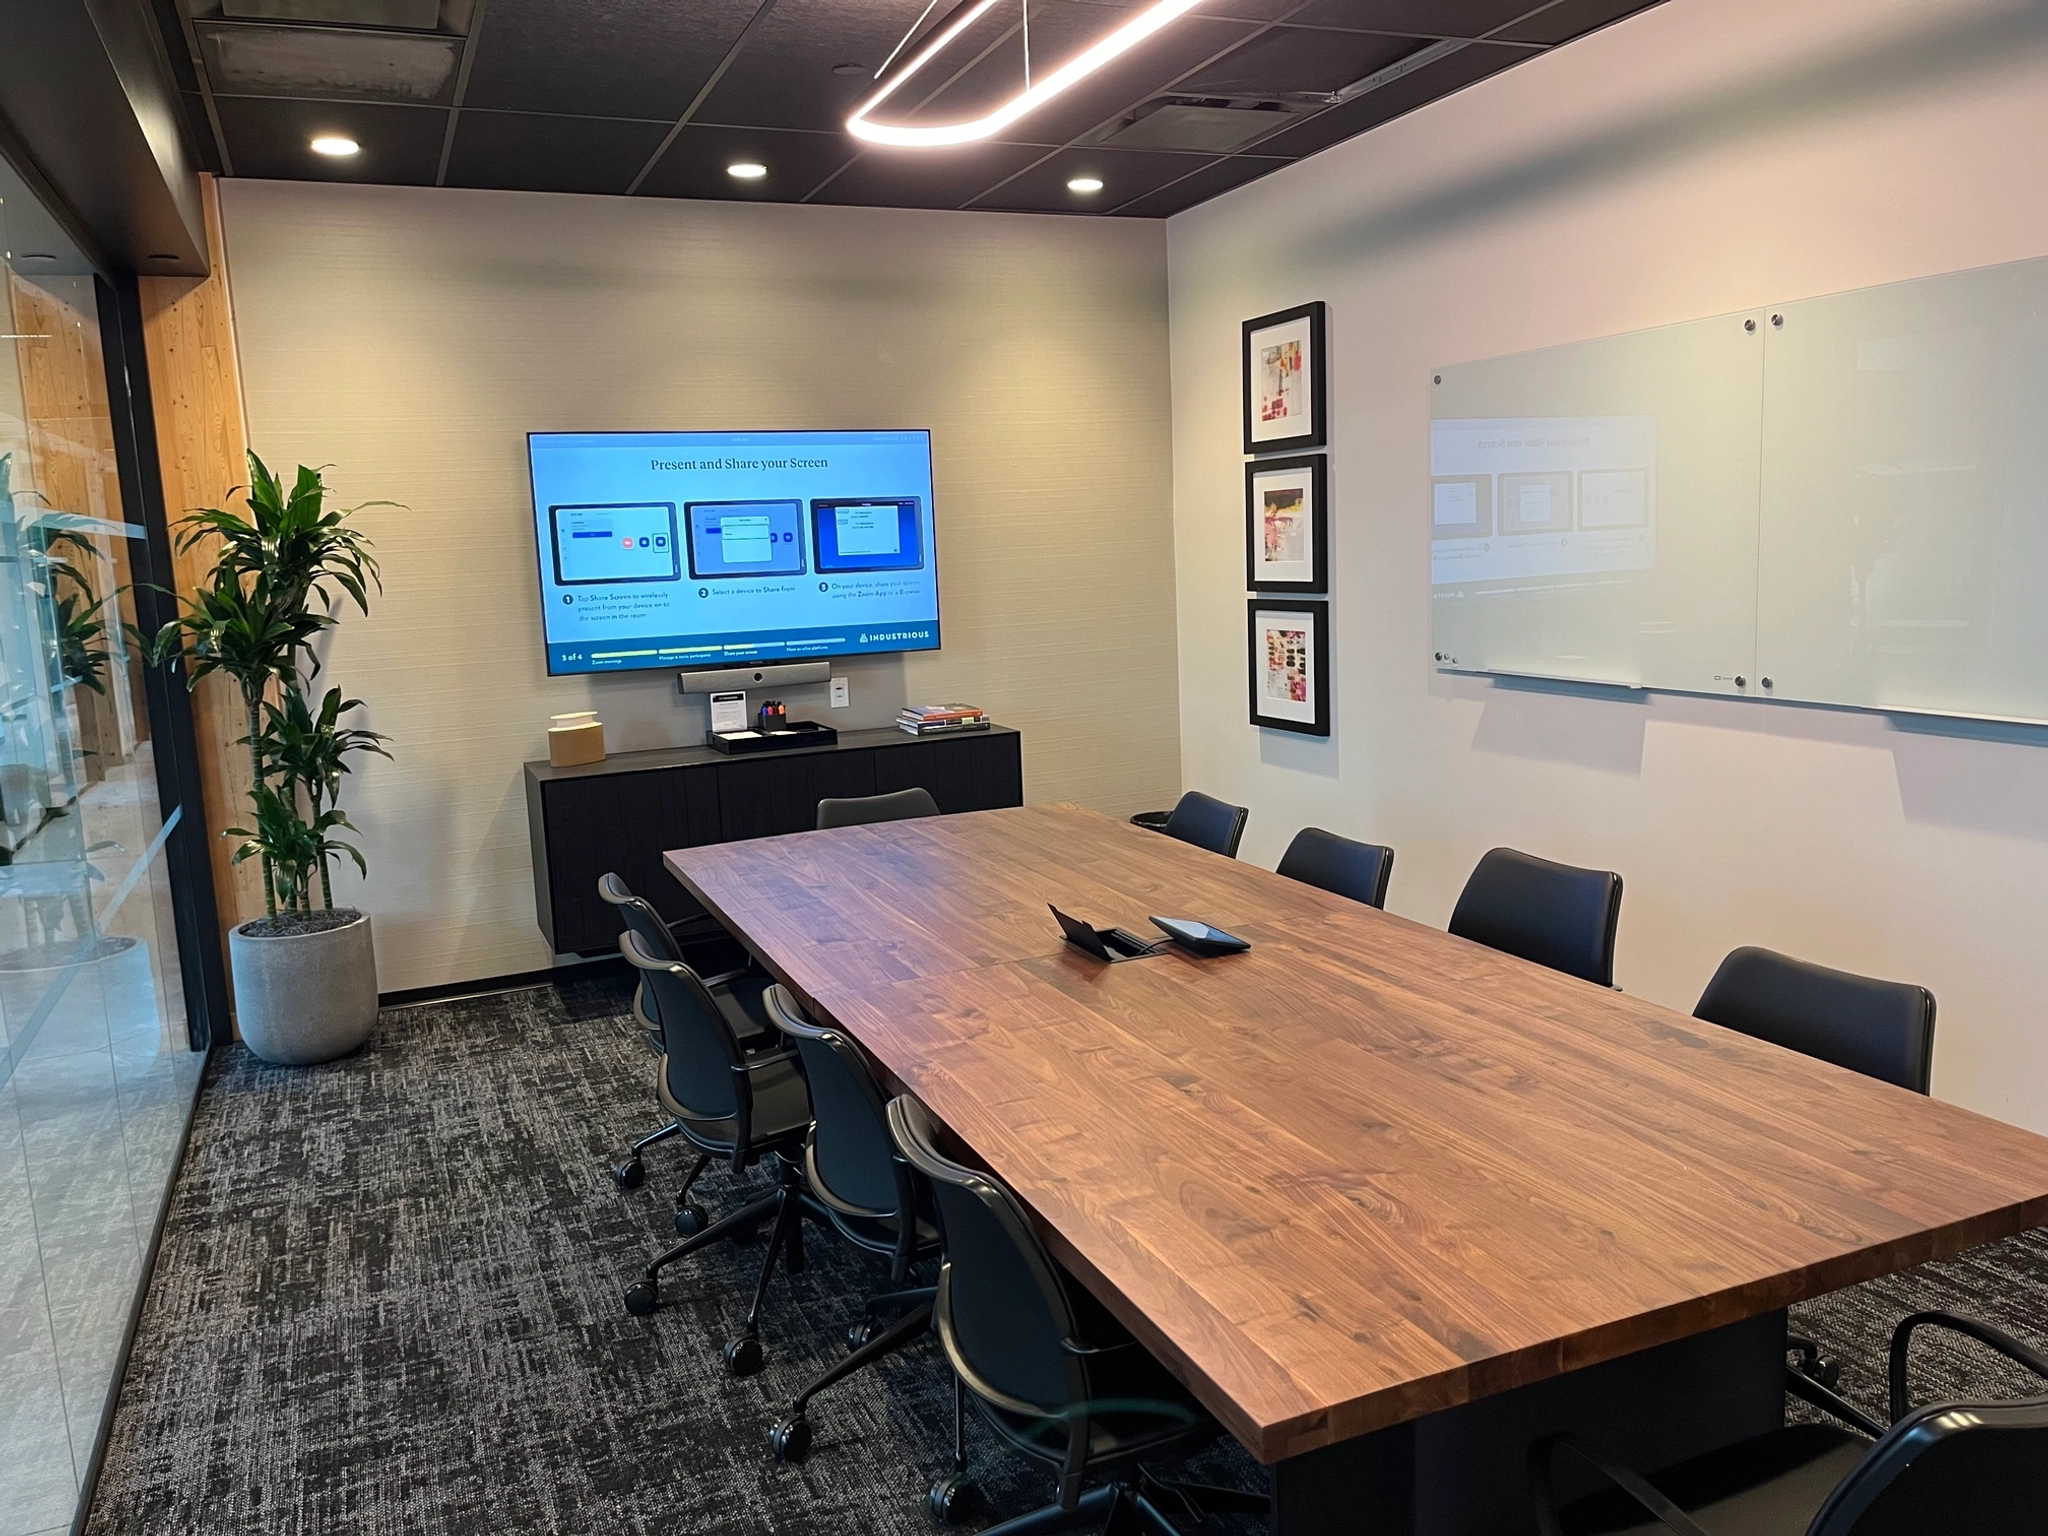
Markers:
<point>305,997</point>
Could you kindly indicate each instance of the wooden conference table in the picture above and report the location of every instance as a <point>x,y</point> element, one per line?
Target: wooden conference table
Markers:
<point>1369,1190</point>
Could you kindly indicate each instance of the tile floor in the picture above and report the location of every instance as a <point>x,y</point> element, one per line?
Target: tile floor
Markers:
<point>95,1083</point>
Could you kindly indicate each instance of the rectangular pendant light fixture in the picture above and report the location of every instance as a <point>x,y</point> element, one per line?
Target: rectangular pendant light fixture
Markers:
<point>1124,38</point>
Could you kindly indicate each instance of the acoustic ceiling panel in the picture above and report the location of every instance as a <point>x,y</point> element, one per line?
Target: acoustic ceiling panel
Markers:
<point>796,162</point>
<point>526,152</point>
<point>601,58</point>
<point>400,145</point>
<point>1125,175</point>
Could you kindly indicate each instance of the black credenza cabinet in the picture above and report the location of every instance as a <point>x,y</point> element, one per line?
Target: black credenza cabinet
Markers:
<point>621,814</point>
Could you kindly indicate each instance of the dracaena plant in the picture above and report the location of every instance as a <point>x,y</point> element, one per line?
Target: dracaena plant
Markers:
<point>281,572</point>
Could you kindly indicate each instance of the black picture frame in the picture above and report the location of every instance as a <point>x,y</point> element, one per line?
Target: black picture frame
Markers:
<point>1310,317</point>
<point>1310,716</point>
<point>1256,578</point>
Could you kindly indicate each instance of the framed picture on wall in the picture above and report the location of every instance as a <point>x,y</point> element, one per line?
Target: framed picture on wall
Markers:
<point>1283,380</point>
<point>1288,647</point>
<point>1286,544</point>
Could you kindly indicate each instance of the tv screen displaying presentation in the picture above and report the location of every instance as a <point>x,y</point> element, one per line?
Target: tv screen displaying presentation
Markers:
<point>705,549</point>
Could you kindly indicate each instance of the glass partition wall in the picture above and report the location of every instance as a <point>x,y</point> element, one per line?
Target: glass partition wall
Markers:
<point>97,1067</point>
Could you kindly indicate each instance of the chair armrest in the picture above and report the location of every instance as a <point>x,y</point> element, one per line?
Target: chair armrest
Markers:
<point>767,1059</point>
<point>1083,1347</point>
<point>1993,1338</point>
<point>724,978</point>
<point>1544,1453</point>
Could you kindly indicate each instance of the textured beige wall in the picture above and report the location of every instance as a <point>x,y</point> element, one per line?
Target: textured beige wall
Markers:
<point>1701,157</point>
<point>412,337</point>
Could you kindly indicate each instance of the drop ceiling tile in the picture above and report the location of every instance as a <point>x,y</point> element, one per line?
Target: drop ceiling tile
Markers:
<point>1124,174</point>
<point>330,63</point>
<point>1213,179</point>
<point>601,58</point>
<point>783,78</point>
<point>1415,18</point>
<point>1286,61</point>
<point>1390,101</point>
<point>1064,30</point>
<point>1568,19</point>
<point>798,162</point>
<point>525,152</point>
<point>926,178</point>
<point>269,137</point>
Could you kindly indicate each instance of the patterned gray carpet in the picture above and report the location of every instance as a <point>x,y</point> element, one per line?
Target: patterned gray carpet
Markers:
<point>388,1301</point>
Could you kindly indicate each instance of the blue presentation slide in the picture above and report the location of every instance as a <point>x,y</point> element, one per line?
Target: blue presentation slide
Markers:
<point>697,549</point>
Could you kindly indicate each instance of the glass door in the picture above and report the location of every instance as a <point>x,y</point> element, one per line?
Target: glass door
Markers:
<point>97,1068</point>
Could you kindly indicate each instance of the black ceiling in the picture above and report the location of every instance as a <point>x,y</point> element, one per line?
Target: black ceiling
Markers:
<point>657,97</point>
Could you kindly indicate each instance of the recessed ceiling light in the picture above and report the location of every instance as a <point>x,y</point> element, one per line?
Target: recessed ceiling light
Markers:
<point>335,144</point>
<point>1085,184</point>
<point>849,69</point>
<point>747,170</point>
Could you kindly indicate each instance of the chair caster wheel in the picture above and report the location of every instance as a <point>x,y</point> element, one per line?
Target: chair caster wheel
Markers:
<point>791,1440</point>
<point>743,1357</point>
<point>862,1333</point>
<point>629,1175</point>
<point>1823,1370</point>
<point>642,1297</point>
<point>950,1500</point>
<point>691,1218</point>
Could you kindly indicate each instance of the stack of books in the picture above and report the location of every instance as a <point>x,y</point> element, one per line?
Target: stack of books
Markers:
<point>941,719</point>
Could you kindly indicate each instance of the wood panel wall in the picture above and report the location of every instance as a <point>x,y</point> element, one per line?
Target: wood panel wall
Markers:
<point>195,379</point>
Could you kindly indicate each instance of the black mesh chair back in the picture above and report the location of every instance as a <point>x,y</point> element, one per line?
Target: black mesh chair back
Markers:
<point>903,805</point>
<point>854,1163</point>
<point>702,1056</point>
<point>1339,865</point>
<point>1556,915</point>
<point>1883,1029</point>
<point>1003,1311</point>
<point>1975,1467</point>
<point>1207,823</point>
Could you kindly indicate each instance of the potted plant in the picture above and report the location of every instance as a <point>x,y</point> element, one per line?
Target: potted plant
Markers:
<point>305,976</point>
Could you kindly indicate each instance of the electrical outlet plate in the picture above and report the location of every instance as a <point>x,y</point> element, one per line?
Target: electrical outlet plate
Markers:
<point>840,695</point>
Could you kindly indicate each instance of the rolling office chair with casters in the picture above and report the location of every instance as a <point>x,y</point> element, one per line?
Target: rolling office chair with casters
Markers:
<point>1979,1468</point>
<point>744,986</point>
<point>1339,865</point>
<point>1556,915</point>
<point>875,1199</point>
<point>1883,1029</point>
<point>865,810</point>
<point>740,1106</point>
<point>1207,823</point>
<point>1055,1376</point>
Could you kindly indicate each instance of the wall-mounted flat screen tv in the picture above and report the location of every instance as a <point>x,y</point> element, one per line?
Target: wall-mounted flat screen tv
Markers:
<point>713,549</point>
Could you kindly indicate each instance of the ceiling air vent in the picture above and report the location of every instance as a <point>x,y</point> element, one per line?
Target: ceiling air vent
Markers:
<point>415,15</point>
<point>1213,124</point>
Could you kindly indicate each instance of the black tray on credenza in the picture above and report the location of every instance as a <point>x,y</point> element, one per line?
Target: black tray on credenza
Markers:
<point>798,733</point>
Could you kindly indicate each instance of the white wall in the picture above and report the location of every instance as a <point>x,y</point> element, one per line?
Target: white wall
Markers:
<point>412,337</point>
<point>1702,157</point>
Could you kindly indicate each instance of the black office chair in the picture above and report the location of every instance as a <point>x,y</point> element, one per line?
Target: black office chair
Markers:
<point>744,1107</point>
<point>1883,1029</point>
<point>864,810</point>
<point>1975,1468</point>
<point>1055,1376</point>
<point>1207,823</point>
<point>1339,865</point>
<point>875,1199</point>
<point>1556,915</point>
<point>752,1027</point>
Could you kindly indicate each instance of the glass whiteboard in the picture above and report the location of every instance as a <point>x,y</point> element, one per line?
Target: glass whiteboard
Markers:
<point>1905,496</point>
<point>1593,509</point>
